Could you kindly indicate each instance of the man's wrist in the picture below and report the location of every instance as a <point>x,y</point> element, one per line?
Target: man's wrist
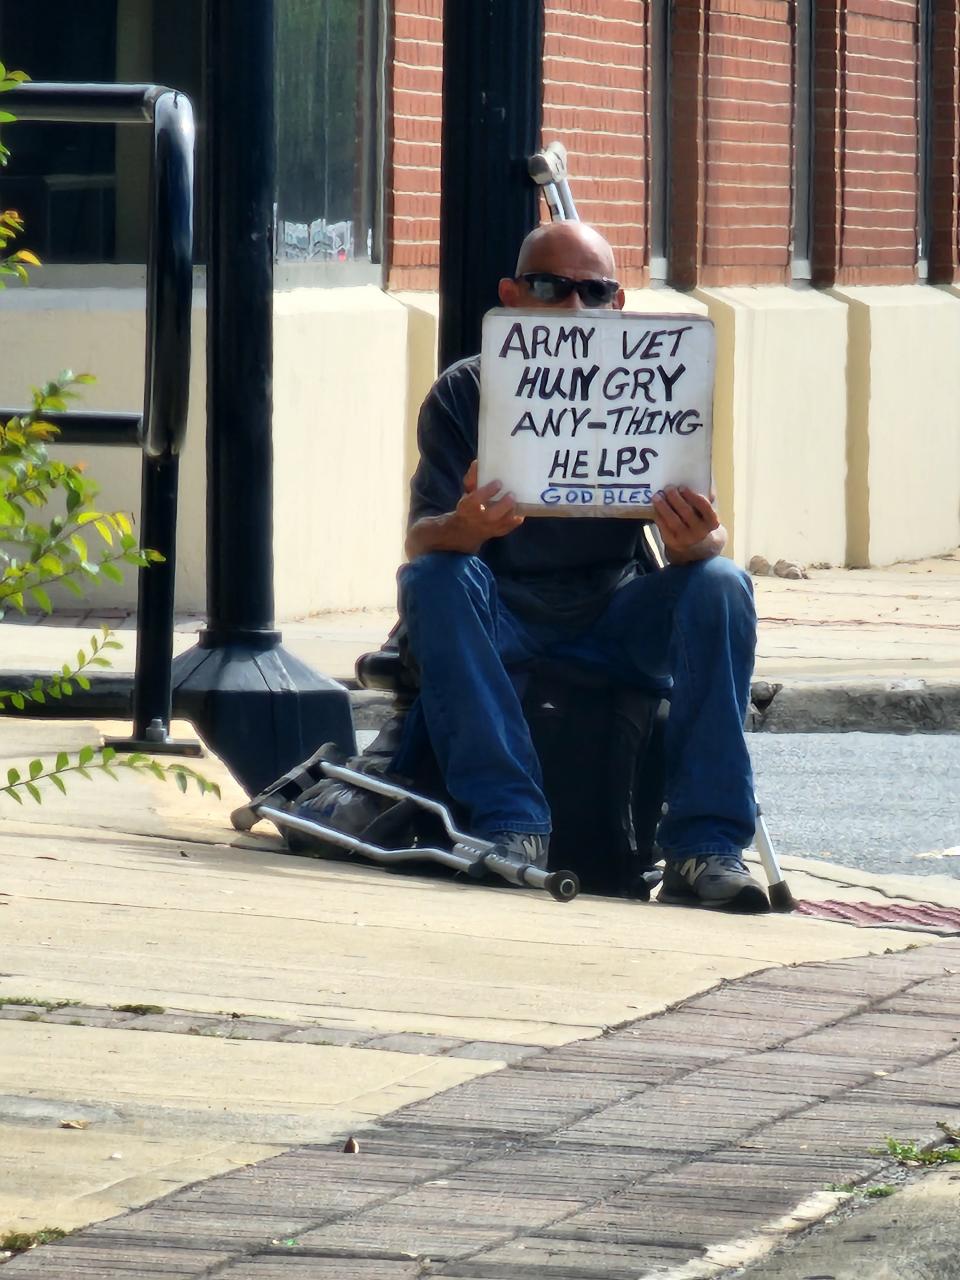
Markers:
<point>439,533</point>
<point>708,547</point>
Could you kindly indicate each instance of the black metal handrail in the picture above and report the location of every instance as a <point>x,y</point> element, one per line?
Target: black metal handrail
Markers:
<point>161,428</point>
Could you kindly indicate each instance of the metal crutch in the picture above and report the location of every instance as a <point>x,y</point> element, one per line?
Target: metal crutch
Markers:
<point>470,854</point>
<point>548,169</point>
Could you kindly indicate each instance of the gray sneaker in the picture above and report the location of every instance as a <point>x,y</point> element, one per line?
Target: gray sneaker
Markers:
<point>713,880</point>
<point>523,848</point>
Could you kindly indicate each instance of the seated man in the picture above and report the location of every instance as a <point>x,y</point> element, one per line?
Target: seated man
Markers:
<point>486,591</point>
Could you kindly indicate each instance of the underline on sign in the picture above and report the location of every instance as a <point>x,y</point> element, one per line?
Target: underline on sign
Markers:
<point>613,484</point>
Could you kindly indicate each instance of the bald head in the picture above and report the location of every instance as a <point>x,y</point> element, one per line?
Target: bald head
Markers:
<point>556,245</point>
<point>571,249</point>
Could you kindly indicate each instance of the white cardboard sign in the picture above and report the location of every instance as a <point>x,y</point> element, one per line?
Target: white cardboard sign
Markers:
<point>589,413</point>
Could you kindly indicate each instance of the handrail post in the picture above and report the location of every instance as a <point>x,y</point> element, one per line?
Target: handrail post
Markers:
<point>166,404</point>
<point>161,428</point>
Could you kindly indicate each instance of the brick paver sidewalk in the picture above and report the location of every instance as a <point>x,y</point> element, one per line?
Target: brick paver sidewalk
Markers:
<point>618,1157</point>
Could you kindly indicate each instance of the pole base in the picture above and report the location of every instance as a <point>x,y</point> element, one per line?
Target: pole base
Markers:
<point>152,747</point>
<point>261,710</point>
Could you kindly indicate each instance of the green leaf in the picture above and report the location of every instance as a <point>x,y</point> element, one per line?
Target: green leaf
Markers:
<point>85,755</point>
<point>58,783</point>
<point>42,599</point>
<point>18,701</point>
<point>34,791</point>
<point>82,681</point>
<point>181,780</point>
<point>63,761</point>
<point>14,796</point>
<point>13,777</point>
<point>107,754</point>
<point>36,768</point>
<point>111,571</point>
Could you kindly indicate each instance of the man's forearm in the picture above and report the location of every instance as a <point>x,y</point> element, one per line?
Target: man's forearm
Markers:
<point>436,533</point>
<point>712,545</point>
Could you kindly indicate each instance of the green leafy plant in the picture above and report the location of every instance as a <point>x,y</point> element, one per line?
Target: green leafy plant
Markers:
<point>911,1154</point>
<point>35,553</point>
<point>78,546</point>
<point>39,1004</point>
<point>11,224</point>
<point>20,1241</point>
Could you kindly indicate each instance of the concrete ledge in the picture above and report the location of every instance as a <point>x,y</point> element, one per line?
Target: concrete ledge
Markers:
<point>868,706</point>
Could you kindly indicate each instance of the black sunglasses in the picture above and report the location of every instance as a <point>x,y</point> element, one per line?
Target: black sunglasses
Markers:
<point>546,287</point>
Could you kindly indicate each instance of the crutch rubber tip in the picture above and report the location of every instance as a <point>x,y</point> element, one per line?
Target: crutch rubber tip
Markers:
<point>781,899</point>
<point>244,819</point>
<point>562,885</point>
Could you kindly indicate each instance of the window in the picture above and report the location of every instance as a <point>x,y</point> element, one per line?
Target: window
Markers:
<point>925,139</point>
<point>329,64</point>
<point>82,189</point>
<point>801,247</point>
<point>659,140</point>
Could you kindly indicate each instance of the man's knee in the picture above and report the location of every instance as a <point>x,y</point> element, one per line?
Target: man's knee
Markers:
<point>441,576</point>
<point>719,583</point>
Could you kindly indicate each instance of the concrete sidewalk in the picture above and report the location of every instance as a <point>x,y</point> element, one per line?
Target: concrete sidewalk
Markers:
<point>843,649</point>
<point>528,1082</point>
<point>539,1092</point>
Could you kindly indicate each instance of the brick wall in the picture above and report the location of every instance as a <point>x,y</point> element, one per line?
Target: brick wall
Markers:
<point>731,121</point>
<point>413,160</point>
<point>596,101</point>
<point>866,167</point>
<point>732,149</point>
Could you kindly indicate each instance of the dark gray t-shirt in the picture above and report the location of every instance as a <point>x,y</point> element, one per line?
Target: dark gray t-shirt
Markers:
<point>560,571</point>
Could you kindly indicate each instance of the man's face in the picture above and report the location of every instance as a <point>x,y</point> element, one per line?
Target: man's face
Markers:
<point>566,257</point>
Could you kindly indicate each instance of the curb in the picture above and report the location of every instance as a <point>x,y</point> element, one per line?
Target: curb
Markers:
<point>865,706</point>
<point>905,705</point>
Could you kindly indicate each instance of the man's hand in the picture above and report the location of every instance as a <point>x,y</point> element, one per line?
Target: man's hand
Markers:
<point>479,516</point>
<point>688,524</point>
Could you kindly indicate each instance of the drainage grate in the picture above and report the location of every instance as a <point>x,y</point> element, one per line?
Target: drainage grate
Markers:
<point>923,915</point>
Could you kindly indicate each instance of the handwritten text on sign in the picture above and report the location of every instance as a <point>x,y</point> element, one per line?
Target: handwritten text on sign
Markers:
<point>591,413</point>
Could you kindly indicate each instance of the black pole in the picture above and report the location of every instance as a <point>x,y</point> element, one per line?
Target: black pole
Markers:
<point>256,705</point>
<point>492,110</point>
<point>241,186</point>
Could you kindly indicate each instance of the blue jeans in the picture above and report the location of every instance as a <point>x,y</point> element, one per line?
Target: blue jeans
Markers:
<point>688,631</point>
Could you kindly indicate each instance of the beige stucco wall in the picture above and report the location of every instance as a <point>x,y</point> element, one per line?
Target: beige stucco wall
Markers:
<point>340,417</point>
<point>101,331</point>
<point>340,414</point>
<point>812,388</point>
<point>780,422</point>
<point>903,455</point>
<point>423,316</point>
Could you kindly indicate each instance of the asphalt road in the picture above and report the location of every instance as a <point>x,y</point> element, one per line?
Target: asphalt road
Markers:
<point>872,801</point>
